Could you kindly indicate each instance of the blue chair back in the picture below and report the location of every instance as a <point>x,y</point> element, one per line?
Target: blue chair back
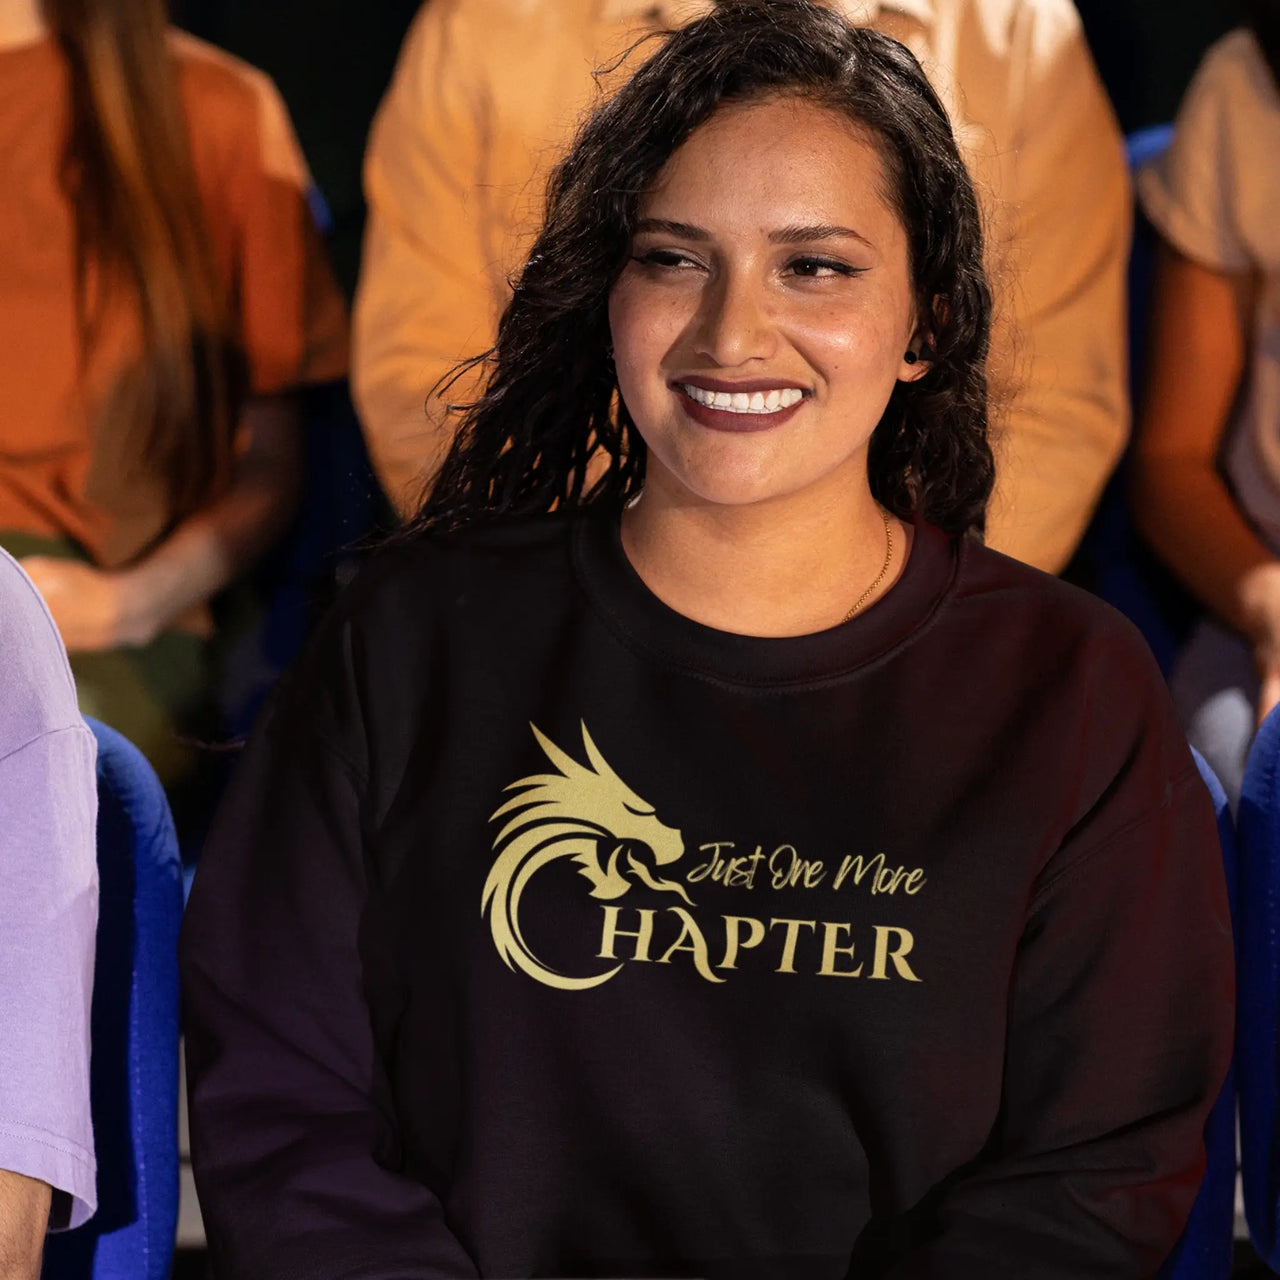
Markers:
<point>1112,561</point>
<point>1205,1250</point>
<point>1258,996</point>
<point>134,1030</point>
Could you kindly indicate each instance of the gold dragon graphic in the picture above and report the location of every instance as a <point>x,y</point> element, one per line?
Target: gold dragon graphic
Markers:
<point>576,813</point>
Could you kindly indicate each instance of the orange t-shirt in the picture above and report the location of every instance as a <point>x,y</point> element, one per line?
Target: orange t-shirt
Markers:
<point>58,476</point>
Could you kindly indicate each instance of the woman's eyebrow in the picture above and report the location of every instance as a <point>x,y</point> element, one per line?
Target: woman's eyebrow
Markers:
<point>682,229</point>
<point>816,231</point>
<point>787,235</point>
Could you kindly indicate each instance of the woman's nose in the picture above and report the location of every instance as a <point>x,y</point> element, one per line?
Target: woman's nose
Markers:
<point>734,324</point>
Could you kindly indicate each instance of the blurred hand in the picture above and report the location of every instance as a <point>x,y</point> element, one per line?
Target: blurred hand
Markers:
<point>93,608</point>
<point>1259,596</point>
<point>1268,694</point>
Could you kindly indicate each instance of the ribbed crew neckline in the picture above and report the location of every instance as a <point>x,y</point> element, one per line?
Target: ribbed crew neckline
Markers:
<point>643,621</point>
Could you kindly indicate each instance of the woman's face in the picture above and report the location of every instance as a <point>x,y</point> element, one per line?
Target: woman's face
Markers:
<point>762,319</point>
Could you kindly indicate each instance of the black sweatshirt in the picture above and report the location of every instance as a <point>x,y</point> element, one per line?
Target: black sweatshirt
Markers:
<point>546,932</point>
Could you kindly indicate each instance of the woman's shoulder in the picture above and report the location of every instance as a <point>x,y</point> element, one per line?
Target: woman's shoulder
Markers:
<point>220,78</point>
<point>1235,67</point>
<point>1084,670</point>
<point>1232,91</point>
<point>416,596</point>
<point>420,572</point>
<point>1209,192</point>
<point>234,110</point>
<point>1053,617</point>
<point>37,692</point>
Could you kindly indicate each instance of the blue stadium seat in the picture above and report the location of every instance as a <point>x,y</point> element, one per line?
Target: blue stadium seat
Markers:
<point>1258,998</point>
<point>1205,1250</point>
<point>1112,562</point>
<point>340,507</point>
<point>134,1030</point>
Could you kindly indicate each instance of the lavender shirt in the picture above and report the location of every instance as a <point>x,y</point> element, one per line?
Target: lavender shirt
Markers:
<point>48,906</point>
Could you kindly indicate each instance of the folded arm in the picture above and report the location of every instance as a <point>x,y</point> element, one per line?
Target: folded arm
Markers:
<point>104,609</point>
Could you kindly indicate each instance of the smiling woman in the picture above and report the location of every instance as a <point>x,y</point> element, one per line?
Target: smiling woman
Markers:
<point>758,339</point>
<point>687,851</point>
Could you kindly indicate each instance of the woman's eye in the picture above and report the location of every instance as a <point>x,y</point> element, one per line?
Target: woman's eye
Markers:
<point>816,268</point>
<point>664,258</point>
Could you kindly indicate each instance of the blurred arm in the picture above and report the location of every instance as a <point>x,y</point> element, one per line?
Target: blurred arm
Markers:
<point>210,549</point>
<point>1181,503</point>
<point>99,609</point>
<point>24,1218</point>
<point>430,287</point>
<point>1062,312</point>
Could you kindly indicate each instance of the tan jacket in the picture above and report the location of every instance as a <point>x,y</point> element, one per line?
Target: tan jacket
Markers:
<point>487,94</point>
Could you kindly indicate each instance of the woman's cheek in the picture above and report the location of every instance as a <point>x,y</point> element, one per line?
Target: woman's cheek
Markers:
<point>849,340</point>
<point>646,324</point>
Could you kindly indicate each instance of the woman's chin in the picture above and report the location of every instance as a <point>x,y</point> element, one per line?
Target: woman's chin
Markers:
<point>727,491</point>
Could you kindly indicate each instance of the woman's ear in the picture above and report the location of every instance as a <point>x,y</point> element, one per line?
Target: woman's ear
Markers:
<point>917,360</point>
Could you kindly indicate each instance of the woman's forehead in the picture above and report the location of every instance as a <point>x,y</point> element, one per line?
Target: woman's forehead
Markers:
<point>771,164</point>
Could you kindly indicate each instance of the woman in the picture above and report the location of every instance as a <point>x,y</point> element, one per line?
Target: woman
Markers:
<point>1207,492</point>
<point>162,297</point>
<point>730,868</point>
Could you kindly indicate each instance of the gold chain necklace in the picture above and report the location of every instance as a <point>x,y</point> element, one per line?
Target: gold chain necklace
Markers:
<point>884,568</point>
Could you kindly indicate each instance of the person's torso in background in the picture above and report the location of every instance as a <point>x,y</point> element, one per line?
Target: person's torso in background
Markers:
<point>1215,196</point>
<point>1250,163</point>
<point>59,476</point>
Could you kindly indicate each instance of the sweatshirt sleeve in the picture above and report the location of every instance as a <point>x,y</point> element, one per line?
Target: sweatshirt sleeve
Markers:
<point>287,1096</point>
<point>1119,1036</point>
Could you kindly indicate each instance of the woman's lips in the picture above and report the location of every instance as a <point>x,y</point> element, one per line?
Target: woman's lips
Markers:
<point>731,420</point>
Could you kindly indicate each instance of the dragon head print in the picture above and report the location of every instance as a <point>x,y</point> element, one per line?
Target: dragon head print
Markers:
<point>583,813</point>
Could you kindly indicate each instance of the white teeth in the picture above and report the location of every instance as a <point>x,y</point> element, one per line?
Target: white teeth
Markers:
<point>744,402</point>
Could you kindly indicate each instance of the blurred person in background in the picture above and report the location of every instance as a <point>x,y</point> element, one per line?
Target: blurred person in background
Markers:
<point>1207,484</point>
<point>485,98</point>
<point>163,293</point>
<point>49,906</point>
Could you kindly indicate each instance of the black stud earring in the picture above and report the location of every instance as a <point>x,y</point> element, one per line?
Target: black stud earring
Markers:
<point>911,357</point>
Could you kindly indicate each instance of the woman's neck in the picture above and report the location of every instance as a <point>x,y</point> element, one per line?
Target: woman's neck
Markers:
<point>786,567</point>
<point>21,22</point>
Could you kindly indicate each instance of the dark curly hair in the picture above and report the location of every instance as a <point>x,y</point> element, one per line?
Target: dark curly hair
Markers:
<point>551,400</point>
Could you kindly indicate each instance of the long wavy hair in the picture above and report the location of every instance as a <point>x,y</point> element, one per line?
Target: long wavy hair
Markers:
<point>551,401</point>
<point>139,225</point>
<point>1264,19</point>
